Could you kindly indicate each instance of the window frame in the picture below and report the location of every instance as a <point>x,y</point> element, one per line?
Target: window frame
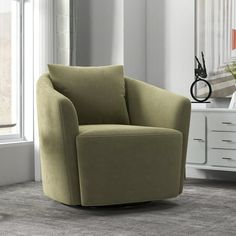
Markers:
<point>19,101</point>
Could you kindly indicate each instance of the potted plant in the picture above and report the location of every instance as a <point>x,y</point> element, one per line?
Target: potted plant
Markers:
<point>232,69</point>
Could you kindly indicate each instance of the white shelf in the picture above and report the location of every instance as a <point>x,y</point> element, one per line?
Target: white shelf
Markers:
<point>222,110</point>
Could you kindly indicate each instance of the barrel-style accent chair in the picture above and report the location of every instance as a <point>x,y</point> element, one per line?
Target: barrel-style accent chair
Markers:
<point>106,139</point>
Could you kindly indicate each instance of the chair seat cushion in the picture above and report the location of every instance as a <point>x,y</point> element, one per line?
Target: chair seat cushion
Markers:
<point>98,93</point>
<point>123,163</point>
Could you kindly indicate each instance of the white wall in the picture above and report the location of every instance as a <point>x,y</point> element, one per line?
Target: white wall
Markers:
<point>112,32</point>
<point>16,163</point>
<point>179,66</point>
<point>156,42</point>
<point>43,54</point>
<point>170,44</point>
<point>135,39</point>
<point>100,32</point>
<point>153,39</point>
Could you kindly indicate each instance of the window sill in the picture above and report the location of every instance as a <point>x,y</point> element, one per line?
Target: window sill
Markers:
<point>8,143</point>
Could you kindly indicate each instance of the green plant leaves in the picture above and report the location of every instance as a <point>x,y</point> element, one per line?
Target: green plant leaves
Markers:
<point>231,68</point>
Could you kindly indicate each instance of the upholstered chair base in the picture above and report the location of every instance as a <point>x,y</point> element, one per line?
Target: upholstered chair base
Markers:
<point>124,164</point>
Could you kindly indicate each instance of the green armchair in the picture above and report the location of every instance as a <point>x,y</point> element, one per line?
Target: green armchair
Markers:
<point>106,139</point>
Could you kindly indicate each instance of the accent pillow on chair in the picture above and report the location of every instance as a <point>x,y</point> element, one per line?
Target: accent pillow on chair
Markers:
<point>98,93</point>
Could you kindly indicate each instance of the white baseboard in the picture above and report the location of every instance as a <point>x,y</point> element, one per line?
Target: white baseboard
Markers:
<point>210,174</point>
<point>17,163</point>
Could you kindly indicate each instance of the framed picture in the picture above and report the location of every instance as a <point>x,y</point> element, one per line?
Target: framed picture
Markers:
<point>215,36</point>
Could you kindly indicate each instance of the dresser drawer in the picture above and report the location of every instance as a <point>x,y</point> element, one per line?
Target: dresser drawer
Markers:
<point>225,140</point>
<point>221,122</point>
<point>197,140</point>
<point>225,158</point>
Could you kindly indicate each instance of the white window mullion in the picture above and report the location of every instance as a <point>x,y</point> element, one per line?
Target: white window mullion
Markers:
<point>15,56</point>
<point>28,70</point>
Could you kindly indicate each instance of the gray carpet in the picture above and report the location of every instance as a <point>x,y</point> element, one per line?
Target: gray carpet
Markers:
<point>205,208</point>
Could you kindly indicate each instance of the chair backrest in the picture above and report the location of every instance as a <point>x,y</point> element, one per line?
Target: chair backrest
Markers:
<point>98,93</point>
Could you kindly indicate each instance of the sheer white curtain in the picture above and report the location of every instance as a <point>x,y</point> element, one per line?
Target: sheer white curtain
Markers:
<point>51,45</point>
<point>43,54</point>
<point>74,4</point>
<point>62,31</point>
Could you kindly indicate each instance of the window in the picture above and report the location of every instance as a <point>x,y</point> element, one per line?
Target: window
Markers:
<point>216,37</point>
<point>11,69</point>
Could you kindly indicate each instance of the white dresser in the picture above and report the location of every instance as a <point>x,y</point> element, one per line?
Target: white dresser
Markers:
<point>212,139</point>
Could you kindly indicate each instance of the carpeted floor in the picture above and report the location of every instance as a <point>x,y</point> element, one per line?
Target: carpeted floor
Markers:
<point>205,208</point>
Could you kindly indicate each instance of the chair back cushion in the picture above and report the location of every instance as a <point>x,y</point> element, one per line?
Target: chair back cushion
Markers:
<point>98,93</point>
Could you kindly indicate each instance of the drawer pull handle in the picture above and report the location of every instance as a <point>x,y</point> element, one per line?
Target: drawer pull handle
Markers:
<point>198,139</point>
<point>227,140</point>
<point>227,123</point>
<point>226,158</point>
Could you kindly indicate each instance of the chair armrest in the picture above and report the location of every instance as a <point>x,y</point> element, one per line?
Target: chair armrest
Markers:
<point>152,106</point>
<point>58,128</point>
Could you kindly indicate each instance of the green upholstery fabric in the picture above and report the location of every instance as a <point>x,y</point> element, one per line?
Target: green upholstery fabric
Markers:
<point>58,128</point>
<point>152,106</point>
<point>122,163</point>
<point>98,93</point>
<point>101,164</point>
